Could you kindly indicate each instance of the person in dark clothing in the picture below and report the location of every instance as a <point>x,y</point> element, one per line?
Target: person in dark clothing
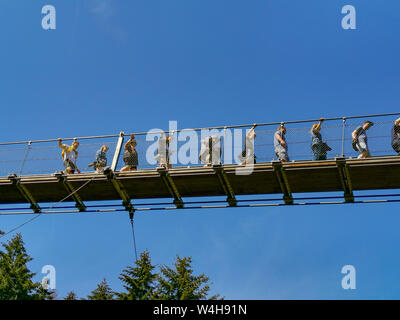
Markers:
<point>130,155</point>
<point>101,159</point>
<point>318,147</point>
<point>396,136</point>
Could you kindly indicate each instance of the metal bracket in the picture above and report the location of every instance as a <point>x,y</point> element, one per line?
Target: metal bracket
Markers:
<point>283,182</point>
<point>345,179</point>
<point>169,183</point>
<point>25,192</point>
<point>120,189</point>
<point>225,184</point>
<point>68,186</point>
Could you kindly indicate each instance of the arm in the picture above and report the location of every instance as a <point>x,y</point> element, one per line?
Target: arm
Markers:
<point>354,134</point>
<point>62,146</point>
<point>318,127</point>
<point>97,156</point>
<point>251,131</point>
<point>279,138</point>
<point>129,141</point>
<point>127,144</point>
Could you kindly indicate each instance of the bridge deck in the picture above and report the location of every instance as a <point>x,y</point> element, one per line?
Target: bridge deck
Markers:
<point>267,178</point>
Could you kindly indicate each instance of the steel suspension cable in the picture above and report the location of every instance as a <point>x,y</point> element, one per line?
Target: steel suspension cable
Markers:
<point>26,155</point>
<point>379,201</point>
<point>131,215</point>
<point>191,202</point>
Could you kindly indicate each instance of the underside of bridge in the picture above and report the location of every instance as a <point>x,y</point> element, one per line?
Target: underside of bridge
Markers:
<point>338,174</point>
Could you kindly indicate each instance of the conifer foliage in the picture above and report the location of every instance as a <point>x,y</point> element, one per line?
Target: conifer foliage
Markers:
<point>102,292</point>
<point>179,283</point>
<point>176,283</point>
<point>15,277</point>
<point>71,296</point>
<point>141,281</point>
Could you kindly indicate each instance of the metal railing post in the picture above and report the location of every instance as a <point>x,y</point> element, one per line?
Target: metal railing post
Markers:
<point>343,133</point>
<point>117,151</point>
<point>223,148</point>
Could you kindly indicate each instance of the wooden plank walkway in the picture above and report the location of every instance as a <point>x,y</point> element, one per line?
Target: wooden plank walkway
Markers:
<point>338,174</point>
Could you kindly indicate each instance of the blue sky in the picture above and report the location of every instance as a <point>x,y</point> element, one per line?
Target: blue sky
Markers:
<point>128,65</point>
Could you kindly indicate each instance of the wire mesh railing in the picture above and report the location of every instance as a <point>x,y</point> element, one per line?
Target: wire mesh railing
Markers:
<point>185,147</point>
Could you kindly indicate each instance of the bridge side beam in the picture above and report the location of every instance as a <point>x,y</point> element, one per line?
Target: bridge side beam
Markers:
<point>25,193</point>
<point>345,179</point>
<point>283,182</point>
<point>226,185</point>
<point>70,189</point>
<point>120,189</point>
<point>170,185</point>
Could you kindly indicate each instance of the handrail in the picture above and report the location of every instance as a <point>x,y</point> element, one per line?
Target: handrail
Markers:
<point>199,129</point>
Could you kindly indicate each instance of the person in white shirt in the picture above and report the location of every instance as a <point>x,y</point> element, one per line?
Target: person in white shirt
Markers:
<point>210,152</point>
<point>69,155</point>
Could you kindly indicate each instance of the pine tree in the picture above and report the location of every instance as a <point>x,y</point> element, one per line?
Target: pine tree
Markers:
<point>71,296</point>
<point>102,292</point>
<point>179,283</point>
<point>15,277</point>
<point>139,281</point>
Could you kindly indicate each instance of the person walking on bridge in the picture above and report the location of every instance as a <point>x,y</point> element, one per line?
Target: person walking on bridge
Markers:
<point>69,155</point>
<point>164,151</point>
<point>360,141</point>
<point>318,147</point>
<point>280,144</point>
<point>247,156</point>
<point>396,136</point>
<point>101,159</point>
<point>210,152</point>
<point>130,155</point>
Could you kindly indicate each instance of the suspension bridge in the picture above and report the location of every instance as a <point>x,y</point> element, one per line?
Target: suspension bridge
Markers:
<point>31,179</point>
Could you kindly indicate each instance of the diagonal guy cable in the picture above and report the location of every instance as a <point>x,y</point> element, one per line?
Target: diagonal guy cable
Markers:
<point>51,207</point>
